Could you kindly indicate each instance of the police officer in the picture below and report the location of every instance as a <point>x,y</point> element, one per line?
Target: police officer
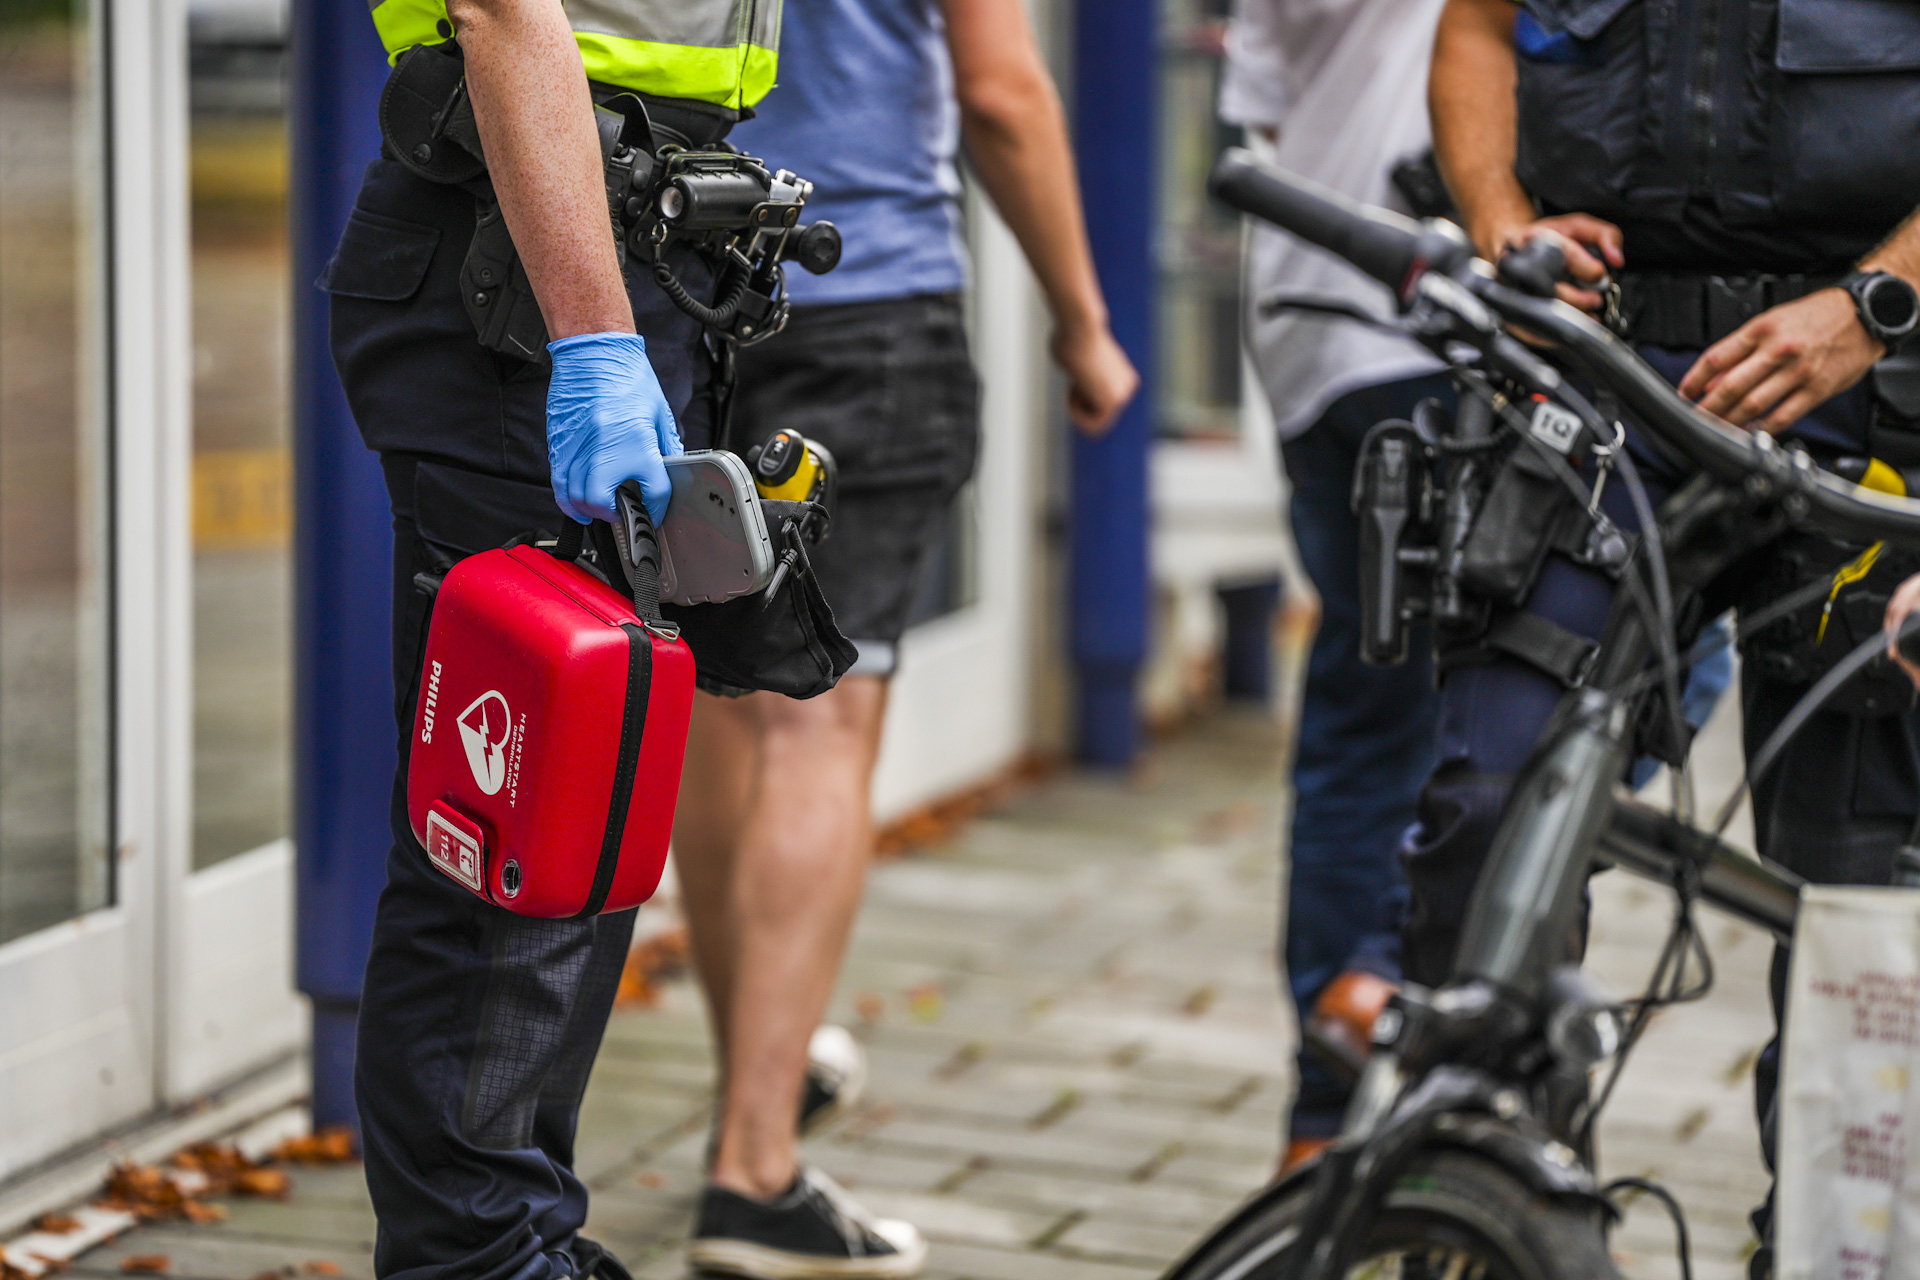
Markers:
<point>478,1027</point>
<point>1734,182</point>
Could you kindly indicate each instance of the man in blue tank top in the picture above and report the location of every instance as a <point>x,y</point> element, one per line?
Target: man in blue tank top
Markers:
<point>773,833</point>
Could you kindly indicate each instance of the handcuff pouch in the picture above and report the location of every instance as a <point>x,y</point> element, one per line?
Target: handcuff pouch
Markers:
<point>1528,512</point>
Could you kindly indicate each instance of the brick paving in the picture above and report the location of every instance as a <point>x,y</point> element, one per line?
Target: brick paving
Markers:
<point>1079,1057</point>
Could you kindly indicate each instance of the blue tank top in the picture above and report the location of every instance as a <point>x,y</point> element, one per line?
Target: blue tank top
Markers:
<point>864,109</point>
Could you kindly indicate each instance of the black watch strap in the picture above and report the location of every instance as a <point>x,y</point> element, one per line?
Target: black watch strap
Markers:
<point>1889,307</point>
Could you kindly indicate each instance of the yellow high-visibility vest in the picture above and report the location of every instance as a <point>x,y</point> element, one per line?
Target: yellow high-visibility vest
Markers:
<point>718,51</point>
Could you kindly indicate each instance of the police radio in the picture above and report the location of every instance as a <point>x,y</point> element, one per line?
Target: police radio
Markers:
<point>741,216</point>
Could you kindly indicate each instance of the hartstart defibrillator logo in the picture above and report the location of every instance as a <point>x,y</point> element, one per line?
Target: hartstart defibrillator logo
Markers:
<point>485,727</point>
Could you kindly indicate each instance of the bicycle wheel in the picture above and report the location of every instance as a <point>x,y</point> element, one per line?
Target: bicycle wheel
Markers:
<point>1453,1215</point>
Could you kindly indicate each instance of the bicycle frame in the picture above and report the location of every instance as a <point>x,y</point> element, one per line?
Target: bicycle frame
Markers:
<point>1464,1064</point>
<point>1497,1059</point>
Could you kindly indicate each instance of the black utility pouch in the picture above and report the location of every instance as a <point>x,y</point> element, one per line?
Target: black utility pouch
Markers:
<point>1894,436</point>
<point>1804,645</point>
<point>1527,512</point>
<point>783,640</point>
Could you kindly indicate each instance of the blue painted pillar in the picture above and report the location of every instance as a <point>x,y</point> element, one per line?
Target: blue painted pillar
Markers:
<point>343,548</point>
<point>1115,102</point>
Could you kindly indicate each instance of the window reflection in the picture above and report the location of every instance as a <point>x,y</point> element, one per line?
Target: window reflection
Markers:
<point>241,468</point>
<point>53,617</point>
<point>1199,245</point>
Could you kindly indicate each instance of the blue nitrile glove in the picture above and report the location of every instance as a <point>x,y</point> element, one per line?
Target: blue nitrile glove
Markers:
<point>607,421</point>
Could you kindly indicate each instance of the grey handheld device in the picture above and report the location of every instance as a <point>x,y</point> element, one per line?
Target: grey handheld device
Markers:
<point>713,543</point>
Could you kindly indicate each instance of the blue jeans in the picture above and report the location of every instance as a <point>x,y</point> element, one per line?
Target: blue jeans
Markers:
<point>1365,743</point>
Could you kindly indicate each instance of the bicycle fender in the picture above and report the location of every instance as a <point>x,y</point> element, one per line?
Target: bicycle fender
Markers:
<point>1547,1166</point>
<point>1251,1208</point>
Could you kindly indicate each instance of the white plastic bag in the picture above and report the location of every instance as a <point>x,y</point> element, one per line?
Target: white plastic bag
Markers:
<point>1848,1202</point>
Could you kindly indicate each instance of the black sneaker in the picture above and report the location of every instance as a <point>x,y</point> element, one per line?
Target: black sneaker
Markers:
<point>836,1077</point>
<point>812,1231</point>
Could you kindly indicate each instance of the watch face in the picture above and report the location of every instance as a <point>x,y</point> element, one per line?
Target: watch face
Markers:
<point>1892,303</point>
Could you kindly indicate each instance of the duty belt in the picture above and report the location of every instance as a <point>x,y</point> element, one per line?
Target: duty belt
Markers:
<point>1689,311</point>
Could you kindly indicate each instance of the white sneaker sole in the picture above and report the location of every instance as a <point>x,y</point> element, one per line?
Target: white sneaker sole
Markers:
<point>757,1262</point>
<point>834,1055</point>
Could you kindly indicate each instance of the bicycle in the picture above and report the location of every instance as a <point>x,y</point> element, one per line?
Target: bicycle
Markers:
<point>1466,1151</point>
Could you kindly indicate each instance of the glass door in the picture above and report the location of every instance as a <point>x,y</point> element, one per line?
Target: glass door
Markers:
<point>232,1006</point>
<point>73,1041</point>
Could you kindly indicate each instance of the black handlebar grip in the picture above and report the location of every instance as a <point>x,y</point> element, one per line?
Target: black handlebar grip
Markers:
<point>1535,267</point>
<point>815,247</point>
<point>1384,245</point>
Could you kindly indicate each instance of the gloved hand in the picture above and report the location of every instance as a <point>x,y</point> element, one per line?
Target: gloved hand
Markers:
<point>607,421</point>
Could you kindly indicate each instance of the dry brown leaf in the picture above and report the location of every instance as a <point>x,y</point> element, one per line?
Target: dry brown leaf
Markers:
<point>870,1007</point>
<point>320,1267</point>
<point>56,1224</point>
<point>939,822</point>
<point>272,1184</point>
<point>654,962</point>
<point>274,1275</point>
<point>203,1213</point>
<point>651,1179</point>
<point>147,1264</point>
<point>329,1146</point>
<point>926,1002</point>
<point>144,1191</point>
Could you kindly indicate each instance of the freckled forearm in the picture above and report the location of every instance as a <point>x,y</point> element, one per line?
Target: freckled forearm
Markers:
<point>535,118</point>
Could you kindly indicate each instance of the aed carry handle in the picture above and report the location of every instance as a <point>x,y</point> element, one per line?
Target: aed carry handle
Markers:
<point>637,544</point>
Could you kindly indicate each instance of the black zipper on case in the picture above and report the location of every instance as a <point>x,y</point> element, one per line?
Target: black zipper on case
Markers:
<point>633,730</point>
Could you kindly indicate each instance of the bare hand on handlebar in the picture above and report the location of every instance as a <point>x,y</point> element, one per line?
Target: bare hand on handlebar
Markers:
<point>1774,368</point>
<point>1592,246</point>
<point>1904,602</point>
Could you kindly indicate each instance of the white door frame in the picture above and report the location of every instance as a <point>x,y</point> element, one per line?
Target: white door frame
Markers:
<point>184,983</point>
<point>79,1040</point>
<point>226,1000</point>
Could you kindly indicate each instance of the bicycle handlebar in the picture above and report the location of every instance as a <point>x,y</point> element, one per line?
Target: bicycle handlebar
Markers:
<point>1399,252</point>
<point>1393,249</point>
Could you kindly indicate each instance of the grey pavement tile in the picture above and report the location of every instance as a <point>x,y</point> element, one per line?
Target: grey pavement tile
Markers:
<point>1153,1202</point>
<point>859,1170</point>
<point>341,1183</point>
<point>1125,1240</point>
<point>977,1262</point>
<point>195,1253</point>
<point>960,1219</point>
<point>1079,1053</point>
<point>295,1218</point>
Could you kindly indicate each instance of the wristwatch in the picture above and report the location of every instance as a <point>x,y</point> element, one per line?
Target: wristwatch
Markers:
<point>1889,307</point>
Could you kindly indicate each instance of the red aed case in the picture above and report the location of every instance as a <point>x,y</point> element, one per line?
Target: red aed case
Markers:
<point>549,729</point>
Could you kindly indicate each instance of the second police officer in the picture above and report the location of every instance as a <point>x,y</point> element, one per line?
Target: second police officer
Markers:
<point>1744,172</point>
<point>478,1027</point>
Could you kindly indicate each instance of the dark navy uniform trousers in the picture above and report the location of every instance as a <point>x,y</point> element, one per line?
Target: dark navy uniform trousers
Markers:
<point>1836,806</point>
<point>477,1027</point>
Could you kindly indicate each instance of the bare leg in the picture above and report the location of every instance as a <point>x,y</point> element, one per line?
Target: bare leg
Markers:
<point>773,839</point>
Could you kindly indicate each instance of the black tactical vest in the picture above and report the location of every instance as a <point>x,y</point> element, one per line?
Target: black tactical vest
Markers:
<point>1800,117</point>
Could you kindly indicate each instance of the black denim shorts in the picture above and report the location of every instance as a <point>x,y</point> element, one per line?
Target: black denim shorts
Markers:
<point>888,387</point>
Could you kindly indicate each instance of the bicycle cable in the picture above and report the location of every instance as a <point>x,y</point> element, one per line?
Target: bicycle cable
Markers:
<point>1669,970</point>
<point>1682,1242</point>
<point>1663,625</point>
<point>1707,646</point>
